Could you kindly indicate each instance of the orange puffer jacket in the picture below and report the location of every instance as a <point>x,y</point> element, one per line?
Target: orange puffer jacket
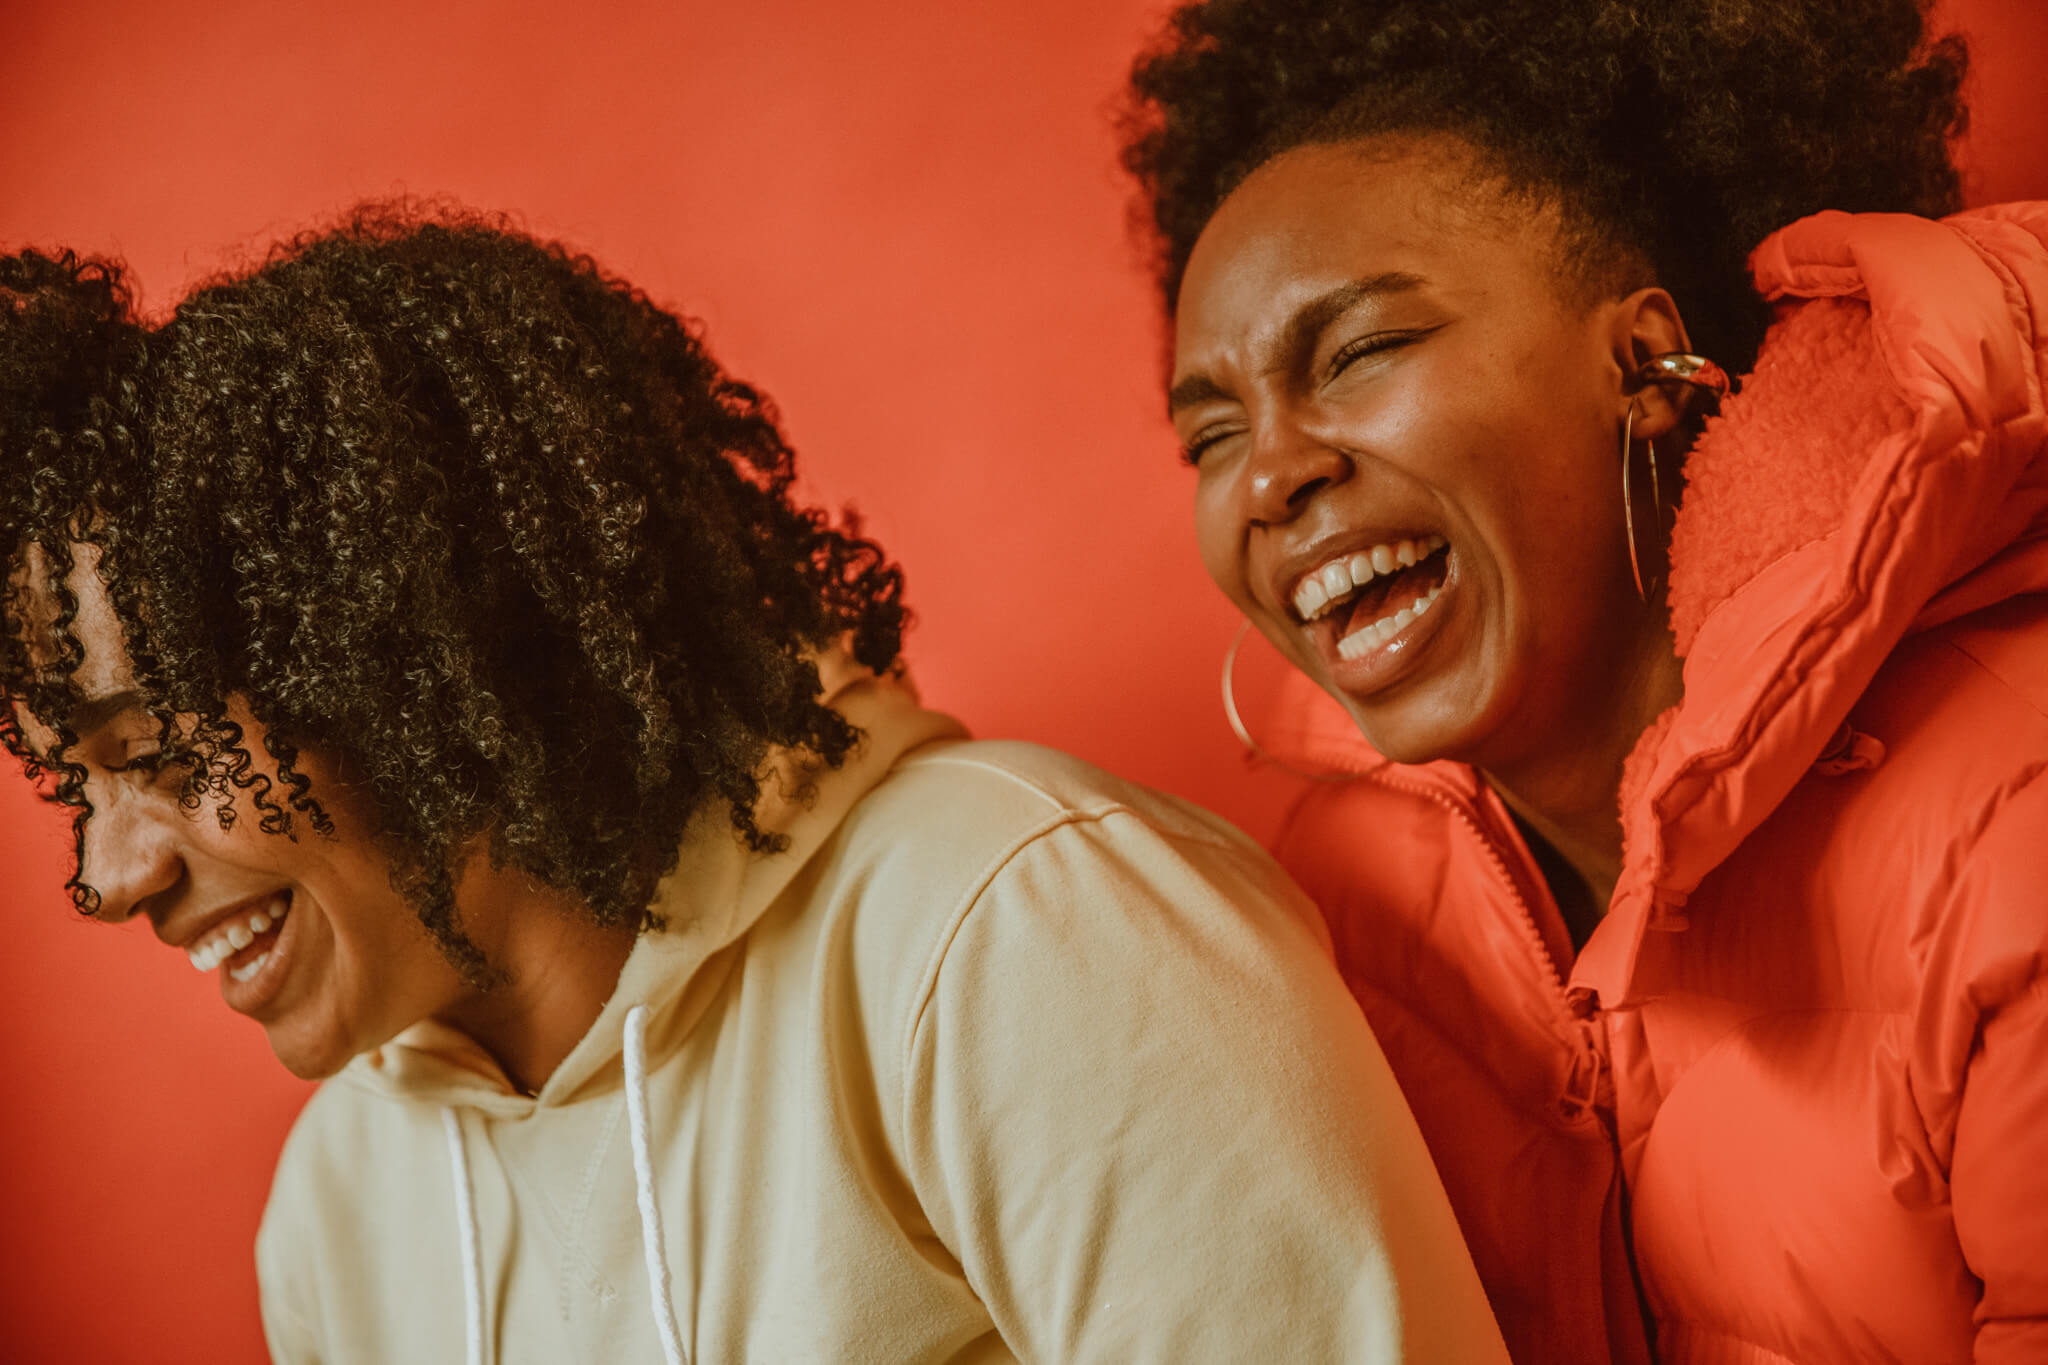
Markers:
<point>1790,1103</point>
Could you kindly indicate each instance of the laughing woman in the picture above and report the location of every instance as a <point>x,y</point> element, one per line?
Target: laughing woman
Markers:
<point>1693,861</point>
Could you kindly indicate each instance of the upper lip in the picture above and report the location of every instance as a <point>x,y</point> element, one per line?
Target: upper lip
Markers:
<point>1288,573</point>
<point>187,933</point>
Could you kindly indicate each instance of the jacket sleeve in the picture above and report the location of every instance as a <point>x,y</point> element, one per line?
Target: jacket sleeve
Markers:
<point>1998,1176</point>
<point>1147,1119</point>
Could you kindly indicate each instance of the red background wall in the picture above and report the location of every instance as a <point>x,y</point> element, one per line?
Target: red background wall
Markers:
<point>902,217</point>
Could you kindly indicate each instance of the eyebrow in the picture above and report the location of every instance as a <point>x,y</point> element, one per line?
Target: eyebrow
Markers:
<point>95,712</point>
<point>1303,326</point>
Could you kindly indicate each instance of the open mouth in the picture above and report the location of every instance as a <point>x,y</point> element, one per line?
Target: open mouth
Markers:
<point>1372,595</point>
<point>242,943</point>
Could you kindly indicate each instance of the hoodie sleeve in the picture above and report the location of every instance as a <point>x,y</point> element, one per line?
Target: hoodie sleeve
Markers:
<point>1998,1174</point>
<point>1146,1117</point>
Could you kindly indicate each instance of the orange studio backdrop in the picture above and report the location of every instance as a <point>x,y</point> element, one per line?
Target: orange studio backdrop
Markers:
<point>901,217</point>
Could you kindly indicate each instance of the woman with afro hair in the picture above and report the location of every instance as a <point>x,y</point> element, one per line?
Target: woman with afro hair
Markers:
<point>421,632</point>
<point>1606,407</point>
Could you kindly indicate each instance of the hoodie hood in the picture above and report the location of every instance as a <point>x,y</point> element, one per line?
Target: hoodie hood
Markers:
<point>718,890</point>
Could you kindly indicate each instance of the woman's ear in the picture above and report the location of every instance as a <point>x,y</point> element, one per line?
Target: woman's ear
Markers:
<point>1646,324</point>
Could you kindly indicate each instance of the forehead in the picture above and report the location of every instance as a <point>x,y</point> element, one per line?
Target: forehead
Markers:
<point>1319,216</point>
<point>32,592</point>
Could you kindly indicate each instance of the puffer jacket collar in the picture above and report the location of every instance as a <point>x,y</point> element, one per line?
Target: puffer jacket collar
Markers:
<point>1945,511</point>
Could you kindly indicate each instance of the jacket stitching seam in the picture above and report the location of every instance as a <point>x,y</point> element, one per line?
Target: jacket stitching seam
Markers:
<point>2022,698</point>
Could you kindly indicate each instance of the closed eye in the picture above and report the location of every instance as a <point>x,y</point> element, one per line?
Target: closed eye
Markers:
<point>1191,452</point>
<point>1375,343</point>
<point>153,763</point>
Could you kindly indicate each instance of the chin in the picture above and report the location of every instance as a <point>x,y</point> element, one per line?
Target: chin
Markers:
<point>1436,721</point>
<point>306,1059</point>
<point>1403,745</point>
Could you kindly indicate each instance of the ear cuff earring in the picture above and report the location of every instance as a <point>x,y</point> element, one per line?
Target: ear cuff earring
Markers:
<point>1648,543</point>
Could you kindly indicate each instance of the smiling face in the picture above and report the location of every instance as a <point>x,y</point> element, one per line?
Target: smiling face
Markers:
<point>307,937</point>
<point>1405,416</point>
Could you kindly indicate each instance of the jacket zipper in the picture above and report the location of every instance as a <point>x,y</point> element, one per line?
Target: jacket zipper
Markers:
<point>1584,1081</point>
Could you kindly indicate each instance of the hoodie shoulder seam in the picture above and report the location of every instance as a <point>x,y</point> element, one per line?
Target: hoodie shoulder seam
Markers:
<point>949,930</point>
<point>951,757</point>
<point>976,891</point>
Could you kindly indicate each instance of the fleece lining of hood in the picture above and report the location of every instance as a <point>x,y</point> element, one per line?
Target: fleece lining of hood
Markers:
<point>1777,469</point>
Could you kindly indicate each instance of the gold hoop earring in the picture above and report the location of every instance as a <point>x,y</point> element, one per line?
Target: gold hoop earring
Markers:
<point>1636,554</point>
<point>1244,734</point>
<point>1703,377</point>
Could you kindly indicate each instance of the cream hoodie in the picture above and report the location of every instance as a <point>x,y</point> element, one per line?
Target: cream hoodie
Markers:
<point>1003,1059</point>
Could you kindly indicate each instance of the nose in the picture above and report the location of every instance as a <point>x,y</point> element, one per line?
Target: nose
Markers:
<point>127,856</point>
<point>1288,467</point>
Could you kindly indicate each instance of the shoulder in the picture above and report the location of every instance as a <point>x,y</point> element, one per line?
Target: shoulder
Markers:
<point>1071,860</point>
<point>1008,788</point>
<point>951,817</point>
<point>1951,825</point>
<point>314,1195</point>
<point>997,874</point>
<point>1963,713</point>
<point>347,1247</point>
<point>1036,848</point>
<point>345,1133</point>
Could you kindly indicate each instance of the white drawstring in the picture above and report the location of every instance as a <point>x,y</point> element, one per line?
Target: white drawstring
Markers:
<point>643,1187</point>
<point>472,1252</point>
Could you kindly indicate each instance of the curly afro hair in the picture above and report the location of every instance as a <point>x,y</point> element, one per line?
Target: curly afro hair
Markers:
<point>453,508</point>
<point>1674,137</point>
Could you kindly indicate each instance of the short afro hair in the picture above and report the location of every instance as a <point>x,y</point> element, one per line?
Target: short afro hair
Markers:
<point>1674,137</point>
<point>445,503</point>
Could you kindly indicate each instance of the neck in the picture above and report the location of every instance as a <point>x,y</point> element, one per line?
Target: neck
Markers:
<point>558,968</point>
<point>1567,790</point>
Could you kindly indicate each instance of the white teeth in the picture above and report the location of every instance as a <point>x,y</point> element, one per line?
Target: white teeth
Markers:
<point>235,935</point>
<point>249,968</point>
<point>1309,599</point>
<point>1358,642</point>
<point>1323,588</point>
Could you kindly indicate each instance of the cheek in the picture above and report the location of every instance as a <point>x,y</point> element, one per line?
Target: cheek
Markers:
<point>1564,513</point>
<point>1219,537</point>
<point>240,842</point>
<point>1535,474</point>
